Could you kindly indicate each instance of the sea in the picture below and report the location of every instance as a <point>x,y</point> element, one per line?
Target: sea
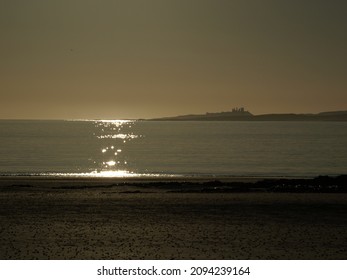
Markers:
<point>146,149</point>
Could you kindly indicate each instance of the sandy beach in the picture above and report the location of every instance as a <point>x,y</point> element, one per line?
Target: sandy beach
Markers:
<point>112,219</point>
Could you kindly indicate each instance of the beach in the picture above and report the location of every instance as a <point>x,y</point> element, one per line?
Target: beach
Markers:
<point>49,218</point>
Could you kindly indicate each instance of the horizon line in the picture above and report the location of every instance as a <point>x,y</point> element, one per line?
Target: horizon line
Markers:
<point>159,117</point>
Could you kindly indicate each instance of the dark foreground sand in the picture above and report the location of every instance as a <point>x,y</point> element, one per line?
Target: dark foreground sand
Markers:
<point>49,219</point>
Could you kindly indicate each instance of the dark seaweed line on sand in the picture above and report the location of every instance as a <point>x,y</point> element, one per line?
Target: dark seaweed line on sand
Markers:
<point>320,184</point>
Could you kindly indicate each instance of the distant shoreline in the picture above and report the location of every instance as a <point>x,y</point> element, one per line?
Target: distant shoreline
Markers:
<point>247,116</point>
<point>331,116</point>
<point>320,184</point>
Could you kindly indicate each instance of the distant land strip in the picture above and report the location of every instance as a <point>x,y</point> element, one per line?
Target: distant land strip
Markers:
<point>320,184</point>
<point>241,115</point>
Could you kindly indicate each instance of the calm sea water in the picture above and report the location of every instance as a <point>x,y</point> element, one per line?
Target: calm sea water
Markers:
<point>137,148</point>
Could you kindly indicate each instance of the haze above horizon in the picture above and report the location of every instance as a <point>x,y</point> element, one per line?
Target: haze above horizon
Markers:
<point>146,59</point>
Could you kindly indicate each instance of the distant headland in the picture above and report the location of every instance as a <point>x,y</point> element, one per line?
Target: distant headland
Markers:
<point>240,114</point>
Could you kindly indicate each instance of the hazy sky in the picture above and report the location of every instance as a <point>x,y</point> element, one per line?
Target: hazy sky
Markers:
<point>150,58</point>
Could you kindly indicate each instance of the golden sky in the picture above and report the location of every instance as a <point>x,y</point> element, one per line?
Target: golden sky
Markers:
<point>68,59</point>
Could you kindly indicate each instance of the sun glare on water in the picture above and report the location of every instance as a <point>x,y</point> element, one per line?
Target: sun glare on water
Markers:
<point>113,174</point>
<point>107,174</point>
<point>110,158</point>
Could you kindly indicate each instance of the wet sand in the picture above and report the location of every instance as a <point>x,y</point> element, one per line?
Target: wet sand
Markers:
<point>98,219</point>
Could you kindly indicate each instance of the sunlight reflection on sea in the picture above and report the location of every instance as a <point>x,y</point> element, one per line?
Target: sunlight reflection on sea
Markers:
<point>128,148</point>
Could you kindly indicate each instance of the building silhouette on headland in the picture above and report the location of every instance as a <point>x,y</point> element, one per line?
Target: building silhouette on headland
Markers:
<point>236,111</point>
<point>241,114</point>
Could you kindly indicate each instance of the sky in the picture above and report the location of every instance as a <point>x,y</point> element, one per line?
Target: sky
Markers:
<point>109,59</point>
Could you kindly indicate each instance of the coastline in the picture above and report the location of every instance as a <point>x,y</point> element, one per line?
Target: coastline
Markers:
<point>239,114</point>
<point>321,183</point>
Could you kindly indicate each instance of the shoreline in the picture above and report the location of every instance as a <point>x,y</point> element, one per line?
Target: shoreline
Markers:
<point>324,184</point>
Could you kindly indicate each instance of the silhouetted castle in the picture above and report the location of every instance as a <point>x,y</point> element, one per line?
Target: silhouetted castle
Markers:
<point>235,112</point>
<point>238,110</point>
